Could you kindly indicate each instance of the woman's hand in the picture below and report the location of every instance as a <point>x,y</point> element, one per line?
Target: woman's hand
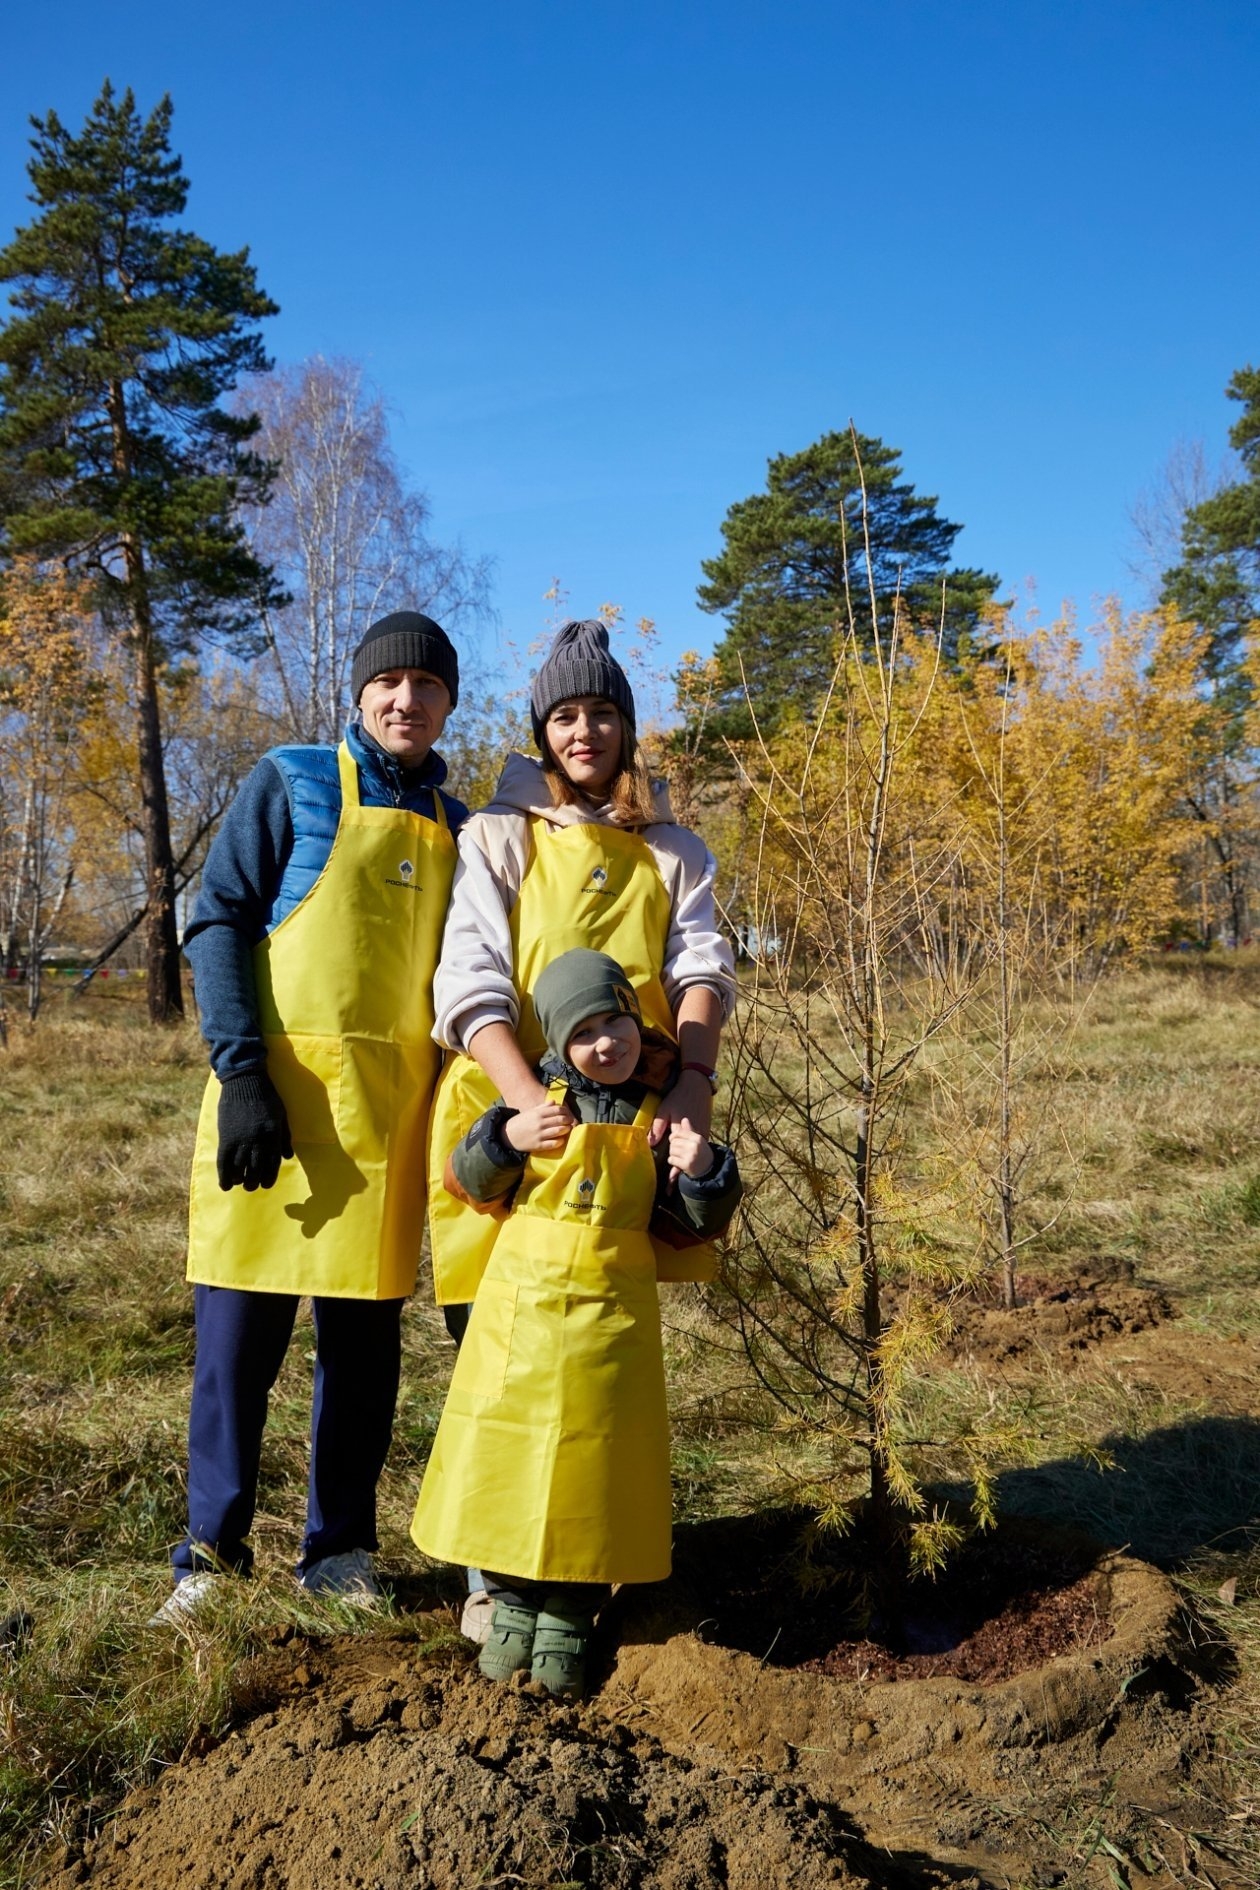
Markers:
<point>699,1023</point>
<point>539,1130</point>
<point>689,1101</point>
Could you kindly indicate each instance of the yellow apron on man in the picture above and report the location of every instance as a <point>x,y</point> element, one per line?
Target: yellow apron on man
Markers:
<point>551,1460</point>
<point>345,1002</point>
<point>589,885</point>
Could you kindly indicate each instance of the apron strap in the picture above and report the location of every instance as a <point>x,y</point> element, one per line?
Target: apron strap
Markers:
<point>347,769</point>
<point>350,797</point>
<point>558,1089</point>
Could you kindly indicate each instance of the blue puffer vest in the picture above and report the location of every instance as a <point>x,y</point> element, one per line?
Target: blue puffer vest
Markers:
<point>313,785</point>
<point>314,789</point>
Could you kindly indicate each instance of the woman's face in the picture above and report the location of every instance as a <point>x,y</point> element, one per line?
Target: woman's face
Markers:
<point>584,736</point>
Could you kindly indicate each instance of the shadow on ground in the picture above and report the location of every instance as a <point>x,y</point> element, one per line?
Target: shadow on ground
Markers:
<point>1186,1490</point>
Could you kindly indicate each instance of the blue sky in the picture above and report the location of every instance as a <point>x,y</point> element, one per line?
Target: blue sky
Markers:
<point>605,260</point>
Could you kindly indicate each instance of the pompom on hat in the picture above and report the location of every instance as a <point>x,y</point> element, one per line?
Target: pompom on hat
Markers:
<point>579,663</point>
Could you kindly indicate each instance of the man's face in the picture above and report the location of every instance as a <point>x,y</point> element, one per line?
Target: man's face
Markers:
<point>405,710</point>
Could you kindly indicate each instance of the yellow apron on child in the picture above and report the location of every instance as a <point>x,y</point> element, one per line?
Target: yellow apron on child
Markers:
<point>551,1461</point>
<point>345,1001</point>
<point>589,885</point>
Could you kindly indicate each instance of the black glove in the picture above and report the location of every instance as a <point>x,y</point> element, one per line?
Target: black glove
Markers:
<point>253,1132</point>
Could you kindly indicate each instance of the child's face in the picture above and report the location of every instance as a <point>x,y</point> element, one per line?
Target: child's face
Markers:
<point>605,1048</point>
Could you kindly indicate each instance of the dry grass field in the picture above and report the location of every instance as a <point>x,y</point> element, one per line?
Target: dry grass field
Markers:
<point>1141,1340</point>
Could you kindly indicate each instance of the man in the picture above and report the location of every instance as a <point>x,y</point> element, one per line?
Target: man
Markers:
<point>313,945</point>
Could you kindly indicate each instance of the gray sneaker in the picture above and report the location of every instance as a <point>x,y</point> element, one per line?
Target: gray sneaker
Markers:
<point>348,1577</point>
<point>474,1622</point>
<point>190,1600</point>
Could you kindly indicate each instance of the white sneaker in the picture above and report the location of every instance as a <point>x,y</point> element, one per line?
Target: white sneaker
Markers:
<point>189,1600</point>
<point>349,1577</point>
<point>474,1622</point>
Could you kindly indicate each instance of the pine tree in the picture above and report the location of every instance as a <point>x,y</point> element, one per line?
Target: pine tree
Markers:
<point>1217,583</point>
<point>795,565</point>
<point>1217,587</point>
<point>116,455</point>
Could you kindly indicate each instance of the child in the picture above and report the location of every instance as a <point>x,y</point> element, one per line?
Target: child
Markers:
<point>551,1462</point>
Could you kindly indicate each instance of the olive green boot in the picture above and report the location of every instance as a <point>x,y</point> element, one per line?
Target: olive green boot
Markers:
<point>509,1645</point>
<point>561,1638</point>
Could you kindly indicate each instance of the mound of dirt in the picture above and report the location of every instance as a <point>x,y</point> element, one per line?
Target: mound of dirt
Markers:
<point>931,1764</point>
<point>383,1768</point>
<point>371,1764</point>
<point>1063,1319</point>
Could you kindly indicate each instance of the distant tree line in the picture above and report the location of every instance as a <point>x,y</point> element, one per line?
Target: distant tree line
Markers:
<point>191,542</point>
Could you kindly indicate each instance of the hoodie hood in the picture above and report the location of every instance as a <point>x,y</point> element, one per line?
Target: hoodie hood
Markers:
<point>523,789</point>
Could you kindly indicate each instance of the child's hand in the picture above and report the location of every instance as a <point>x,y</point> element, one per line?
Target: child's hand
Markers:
<point>689,1153</point>
<point>536,1131</point>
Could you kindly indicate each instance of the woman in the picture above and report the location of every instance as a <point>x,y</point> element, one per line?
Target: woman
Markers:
<point>577,849</point>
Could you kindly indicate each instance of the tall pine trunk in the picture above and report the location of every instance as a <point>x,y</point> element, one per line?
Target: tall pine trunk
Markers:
<point>166,997</point>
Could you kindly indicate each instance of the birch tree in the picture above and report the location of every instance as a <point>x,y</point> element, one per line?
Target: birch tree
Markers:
<point>346,535</point>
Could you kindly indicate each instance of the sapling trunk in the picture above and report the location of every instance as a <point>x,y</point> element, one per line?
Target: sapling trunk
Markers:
<point>834,1289</point>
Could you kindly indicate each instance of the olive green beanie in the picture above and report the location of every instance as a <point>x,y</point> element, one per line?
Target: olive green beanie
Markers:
<point>577,985</point>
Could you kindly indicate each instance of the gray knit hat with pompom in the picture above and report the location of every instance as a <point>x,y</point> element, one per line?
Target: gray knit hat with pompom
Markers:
<point>579,663</point>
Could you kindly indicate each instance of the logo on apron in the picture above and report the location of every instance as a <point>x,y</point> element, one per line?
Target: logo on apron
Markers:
<point>598,881</point>
<point>406,870</point>
<point>586,1194</point>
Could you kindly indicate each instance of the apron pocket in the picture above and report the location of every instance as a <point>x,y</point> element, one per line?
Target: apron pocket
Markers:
<point>307,1072</point>
<point>481,1368</point>
<point>370,1098</point>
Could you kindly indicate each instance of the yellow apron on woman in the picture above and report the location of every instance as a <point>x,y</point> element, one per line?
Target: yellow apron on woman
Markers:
<point>551,1461</point>
<point>345,1001</point>
<point>586,884</point>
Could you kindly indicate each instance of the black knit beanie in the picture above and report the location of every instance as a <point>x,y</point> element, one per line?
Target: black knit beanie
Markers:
<point>405,640</point>
<point>579,663</point>
<point>577,985</point>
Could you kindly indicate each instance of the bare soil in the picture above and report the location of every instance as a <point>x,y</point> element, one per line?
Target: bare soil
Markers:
<point>1220,1373</point>
<point>1005,1603</point>
<point>1063,1318</point>
<point>369,1764</point>
<point>372,1766</point>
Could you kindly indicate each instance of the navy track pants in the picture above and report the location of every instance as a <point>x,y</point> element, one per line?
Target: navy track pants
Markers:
<point>242,1338</point>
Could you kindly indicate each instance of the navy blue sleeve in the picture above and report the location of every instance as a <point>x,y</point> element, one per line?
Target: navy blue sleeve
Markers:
<point>238,885</point>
